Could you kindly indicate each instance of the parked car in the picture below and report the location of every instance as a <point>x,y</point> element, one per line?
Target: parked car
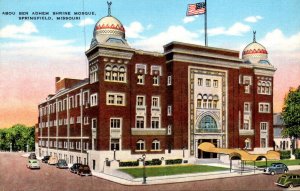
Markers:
<point>74,168</point>
<point>61,163</point>
<point>84,170</point>
<point>32,156</point>
<point>33,164</point>
<point>288,180</point>
<point>53,160</point>
<point>45,159</point>
<point>276,168</point>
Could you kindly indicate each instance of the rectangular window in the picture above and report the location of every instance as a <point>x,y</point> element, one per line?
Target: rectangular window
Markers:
<point>140,121</point>
<point>65,104</point>
<point>155,80</point>
<point>94,99</point>
<point>77,100</point>
<point>115,144</point>
<point>155,102</point>
<point>264,107</point>
<point>215,83</point>
<point>140,100</point>
<point>85,98</point>
<point>71,102</point>
<point>246,124</point>
<point>140,79</point>
<point>169,130</point>
<point>86,120</point>
<point>200,81</point>
<point>246,107</point>
<point>169,110</point>
<point>115,123</point>
<point>208,82</point>
<point>115,99</point>
<point>94,123</point>
<point>263,143</point>
<point>169,83</point>
<point>154,122</point>
<point>264,126</point>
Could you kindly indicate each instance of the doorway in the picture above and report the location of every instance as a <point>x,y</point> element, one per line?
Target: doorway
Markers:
<point>205,155</point>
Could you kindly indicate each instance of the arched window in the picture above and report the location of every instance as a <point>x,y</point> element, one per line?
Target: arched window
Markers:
<point>204,101</point>
<point>140,145</point>
<point>155,145</point>
<point>108,72</point>
<point>208,122</point>
<point>199,100</point>
<point>115,73</point>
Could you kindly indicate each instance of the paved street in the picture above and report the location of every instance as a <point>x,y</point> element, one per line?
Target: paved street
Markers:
<point>15,176</point>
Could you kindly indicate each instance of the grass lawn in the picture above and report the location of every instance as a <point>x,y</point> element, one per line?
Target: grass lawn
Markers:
<point>171,170</point>
<point>286,162</point>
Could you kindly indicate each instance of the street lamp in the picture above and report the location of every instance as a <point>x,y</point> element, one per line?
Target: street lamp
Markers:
<point>144,168</point>
<point>183,148</point>
<point>114,154</point>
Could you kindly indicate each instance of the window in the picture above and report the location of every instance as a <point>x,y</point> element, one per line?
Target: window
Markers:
<point>93,73</point>
<point>140,145</point>
<point>209,103</point>
<point>155,101</point>
<point>208,122</point>
<point>78,119</point>
<point>215,104</point>
<point>65,104</point>
<point>215,83</point>
<point>72,120</point>
<point>140,121</point>
<point>115,73</point>
<point>94,123</point>
<point>246,107</point>
<point>264,126</point>
<point>154,122</point>
<point>208,82</point>
<point>169,130</point>
<point>264,107</point>
<point>140,79</point>
<point>264,87</point>
<point>140,101</point>
<point>200,81</point>
<point>115,123</point>
<point>246,124</point>
<point>115,144</point>
<point>86,120</point>
<point>263,142</point>
<point>71,102</point>
<point>94,99</point>
<point>155,80</point>
<point>169,110</point>
<point>169,80</point>
<point>85,97</point>
<point>115,99</point>
<point>77,100</point>
<point>247,143</point>
<point>155,145</point>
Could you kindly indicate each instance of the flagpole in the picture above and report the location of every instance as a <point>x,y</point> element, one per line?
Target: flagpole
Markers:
<point>205,24</point>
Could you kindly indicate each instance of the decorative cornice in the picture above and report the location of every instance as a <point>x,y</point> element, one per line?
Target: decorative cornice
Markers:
<point>112,26</point>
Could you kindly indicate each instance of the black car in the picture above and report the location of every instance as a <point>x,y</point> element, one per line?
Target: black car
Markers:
<point>62,163</point>
<point>32,156</point>
<point>74,168</point>
<point>45,159</point>
<point>84,170</point>
<point>276,168</point>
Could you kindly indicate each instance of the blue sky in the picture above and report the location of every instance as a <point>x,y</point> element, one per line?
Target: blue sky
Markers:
<point>33,53</point>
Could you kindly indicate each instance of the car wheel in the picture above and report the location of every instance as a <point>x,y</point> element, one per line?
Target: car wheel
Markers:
<point>272,173</point>
<point>291,186</point>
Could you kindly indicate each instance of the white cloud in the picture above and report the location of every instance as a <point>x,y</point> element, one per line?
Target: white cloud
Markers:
<point>189,19</point>
<point>68,25</point>
<point>85,22</point>
<point>253,19</point>
<point>173,33</point>
<point>150,26</point>
<point>134,30</point>
<point>14,31</point>
<point>236,29</point>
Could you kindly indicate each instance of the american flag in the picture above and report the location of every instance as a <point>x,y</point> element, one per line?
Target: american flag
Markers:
<point>196,9</point>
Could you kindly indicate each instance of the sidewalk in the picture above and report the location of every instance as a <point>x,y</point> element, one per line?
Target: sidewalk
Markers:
<point>125,179</point>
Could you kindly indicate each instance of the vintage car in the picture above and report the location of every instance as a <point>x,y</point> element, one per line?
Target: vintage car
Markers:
<point>84,170</point>
<point>62,163</point>
<point>276,168</point>
<point>74,168</point>
<point>53,160</point>
<point>288,180</point>
<point>45,159</point>
<point>32,156</point>
<point>33,164</point>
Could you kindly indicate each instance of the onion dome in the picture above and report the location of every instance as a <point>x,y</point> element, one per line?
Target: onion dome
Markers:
<point>255,53</point>
<point>109,30</point>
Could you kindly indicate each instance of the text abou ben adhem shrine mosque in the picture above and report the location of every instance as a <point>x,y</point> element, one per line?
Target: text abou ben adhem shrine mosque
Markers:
<point>166,104</point>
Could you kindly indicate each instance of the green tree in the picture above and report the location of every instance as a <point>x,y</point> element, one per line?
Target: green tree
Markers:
<point>19,136</point>
<point>291,113</point>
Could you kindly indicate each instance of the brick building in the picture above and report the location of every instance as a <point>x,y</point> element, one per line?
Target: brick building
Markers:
<point>162,104</point>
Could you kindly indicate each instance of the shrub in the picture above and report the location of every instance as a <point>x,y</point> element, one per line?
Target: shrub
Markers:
<point>285,154</point>
<point>153,162</point>
<point>174,161</point>
<point>297,153</point>
<point>128,163</point>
